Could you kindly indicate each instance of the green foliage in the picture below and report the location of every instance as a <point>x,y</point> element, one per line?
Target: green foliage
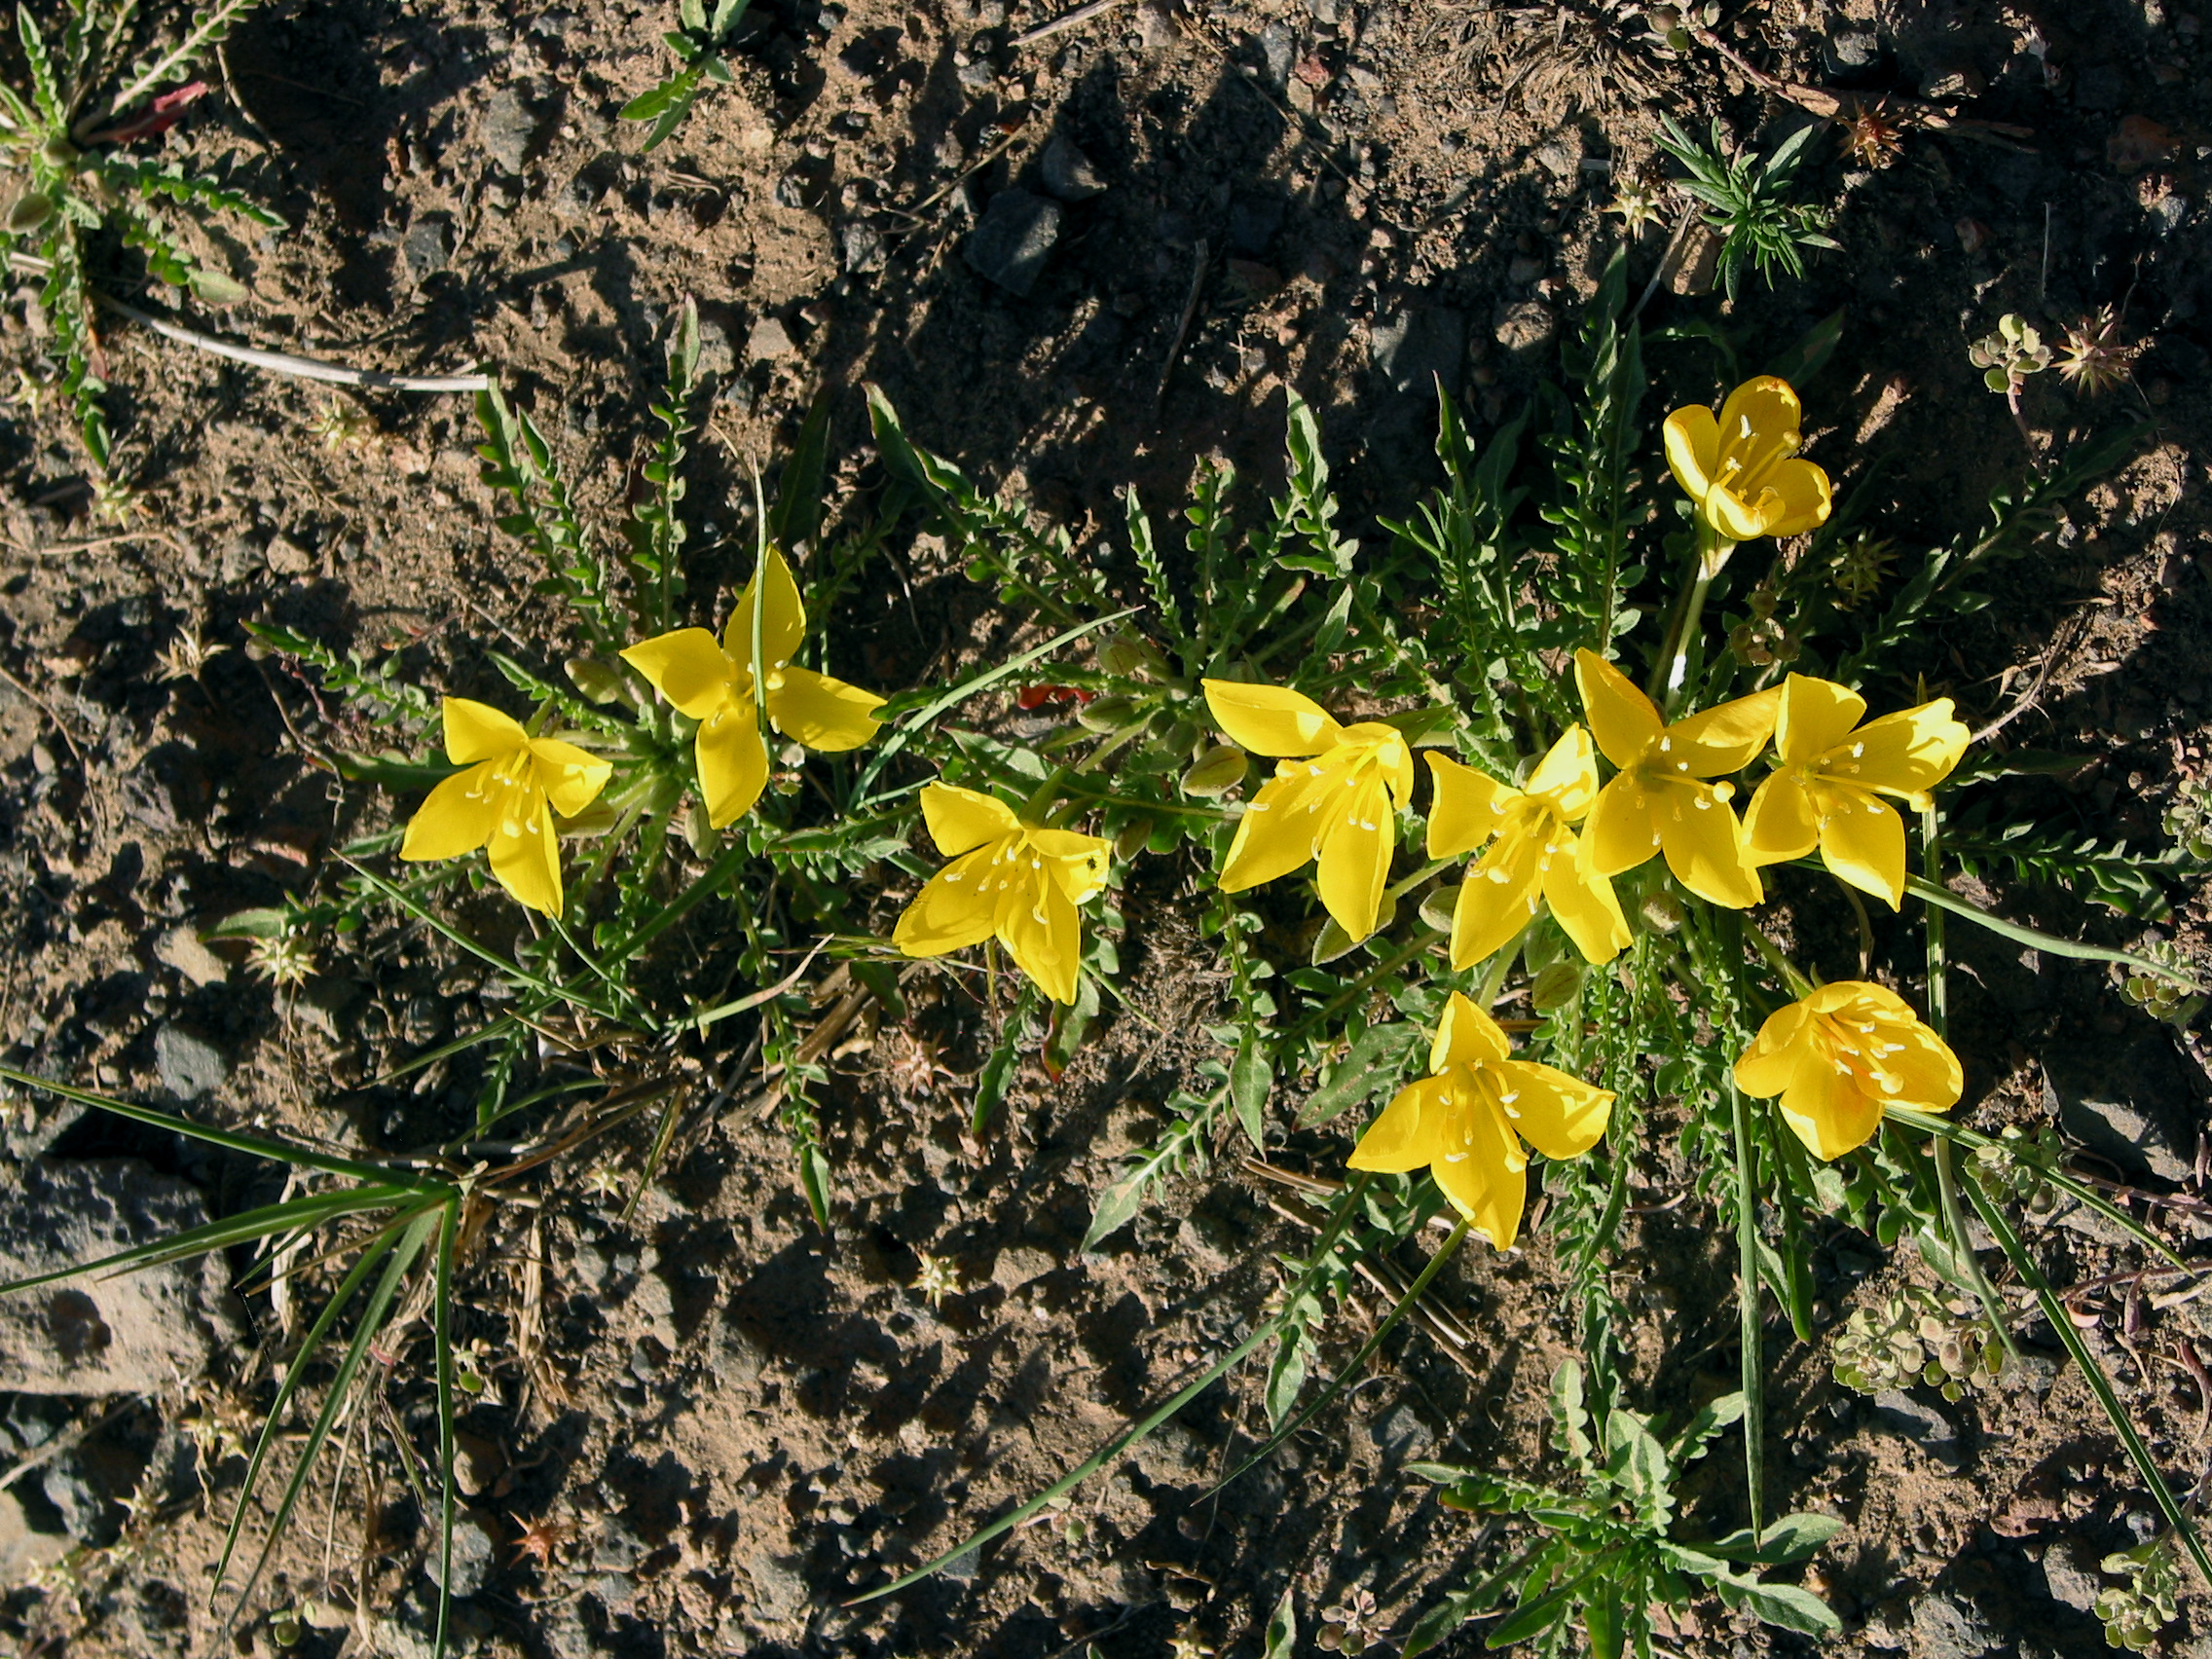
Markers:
<point>82,194</point>
<point>1604,1552</point>
<point>702,44</point>
<point>2135,1612</point>
<point>1912,1336</point>
<point>1751,202</point>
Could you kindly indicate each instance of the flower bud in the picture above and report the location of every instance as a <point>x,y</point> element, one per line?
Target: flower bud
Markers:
<point>1662,912</point>
<point>597,819</point>
<point>1131,839</point>
<point>1216,772</point>
<point>58,152</point>
<point>1107,715</point>
<point>601,681</point>
<point>1555,987</point>
<point>28,213</point>
<point>1122,656</point>
<point>1437,908</point>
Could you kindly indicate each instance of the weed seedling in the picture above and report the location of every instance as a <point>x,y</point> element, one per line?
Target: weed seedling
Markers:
<point>702,44</point>
<point>1750,202</point>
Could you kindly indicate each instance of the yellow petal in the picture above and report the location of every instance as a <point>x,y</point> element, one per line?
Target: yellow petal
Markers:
<point>1397,759</point>
<point>1813,717</point>
<point>1930,1076</point>
<point>1828,1111</point>
<point>822,713</point>
<point>1567,775</point>
<point>1280,828</point>
<point>1484,1174</point>
<point>783,621</point>
<point>477,731</point>
<point>1555,1111</point>
<point>1042,932</point>
<point>1622,831</point>
<point>1622,719</point>
<point>1487,915</point>
<point>1076,863</point>
<point>1693,449</point>
<point>1271,719</point>
<point>1408,1136</point>
<point>1770,1064</point>
<point>1762,415</point>
<point>457,817</point>
<point>1359,832</point>
<point>1725,739</point>
<point>571,777</point>
<point>1905,752</point>
<point>1780,824</point>
<point>688,669</point>
<point>951,912</point>
<point>960,819</point>
<point>1465,807</point>
<point>1862,841</point>
<point>733,763</point>
<point>525,855</point>
<point>1466,1036</point>
<point>1730,515</point>
<point>1796,497</point>
<point>1705,848</point>
<point>1585,905</point>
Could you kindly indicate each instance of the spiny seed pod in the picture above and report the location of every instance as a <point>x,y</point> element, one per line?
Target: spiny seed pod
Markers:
<point>1108,714</point>
<point>601,681</point>
<point>1216,772</point>
<point>28,211</point>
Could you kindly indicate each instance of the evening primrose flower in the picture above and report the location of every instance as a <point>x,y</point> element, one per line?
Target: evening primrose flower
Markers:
<point>1741,466</point>
<point>1334,800</point>
<point>1534,853</point>
<point>1466,1121</point>
<point>506,799</point>
<point>1009,877</point>
<point>1831,771</point>
<point>1841,1056</point>
<point>714,685</point>
<point>1660,798</point>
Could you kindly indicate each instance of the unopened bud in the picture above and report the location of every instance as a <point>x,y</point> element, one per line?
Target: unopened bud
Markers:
<point>1131,839</point>
<point>58,152</point>
<point>1436,910</point>
<point>1216,772</point>
<point>1122,656</point>
<point>700,834</point>
<point>598,680</point>
<point>28,211</point>
<point>1662,912</point>
<point>597,819</point>
<point>1556,986</point>
<point>1107,715</point>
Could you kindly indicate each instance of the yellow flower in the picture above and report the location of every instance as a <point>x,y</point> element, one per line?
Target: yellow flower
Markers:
<point>1466,1122</point>
<point>1842,1056</point>
<point>713,684</point>
<point>1659,800</point>
<point>507,798</point>
<point>1741,466</point>
<point>1334,800</point>
<point>1020,881</point>
<point>1535,853</point>
<point>1829,772</point>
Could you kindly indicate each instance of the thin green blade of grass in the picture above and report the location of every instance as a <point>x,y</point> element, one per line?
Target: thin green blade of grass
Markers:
<point>499,1027</point>
<point>1944,899</point>
<point>256,1146</point>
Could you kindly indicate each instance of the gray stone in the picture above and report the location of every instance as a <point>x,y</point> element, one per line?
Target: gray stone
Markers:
<point>716,355</point>
<point>1523,327</point>
<point>189,1063</point>
<point>1067,173</point>
<point>1018,1264</point>
<point>428,247</point>
<point>859,245</point>
<point>1279,46</point>
<point>1400,1433</point>
<point>1015,238</point>
<point>1413,347</point>
<point>779,1593</point>
<point>2131,1103</point>
<point>286,557</point>
<point>1849,49</point>
<point>1253,221</point>
<point>1896,1413</point>
<point>769,341</point>
<point>138,1333</point>
<point>474,1549</point>
<point>1946,1627</point>
<point>509,130</point>
<point>1561,156</point>
<point>183,950</point>
<point>2070,1570</point>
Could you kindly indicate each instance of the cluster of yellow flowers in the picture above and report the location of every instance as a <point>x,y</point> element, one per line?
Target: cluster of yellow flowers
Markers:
<point>1836,1058</point>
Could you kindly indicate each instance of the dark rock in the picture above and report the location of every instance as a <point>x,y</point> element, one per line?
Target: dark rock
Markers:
<point>1898,1412</point>
<point>2131,1103</point>
<point>1014,241</point>
<point>1067,173</point>
<point>1415,345</point>
<point>1949,1626</point>
<point>859,245</point>
<point>428,247</point>
<point>1400,1433</point>
<point>509,130</point>
<point>1279,49</point>
<point>716,355</point>
<point>1253,221</point>
<point>474,1549</point>
<point>1848,50</point>
<point>2070,1570</point>
<point>2099,85</point>
<point>135,1334</point>
<point>190,1064</point>
<point>87,1485</point>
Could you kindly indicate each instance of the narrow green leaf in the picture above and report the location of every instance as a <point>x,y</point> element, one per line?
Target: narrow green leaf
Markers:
<point>1281,1638</point>
<point>1251,1076</point>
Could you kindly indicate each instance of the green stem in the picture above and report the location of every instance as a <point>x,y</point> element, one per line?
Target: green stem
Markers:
<point>1799,985</point>
<point>1747,1307</point>
<point>1674,661</point>
<point>1938,897</point>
